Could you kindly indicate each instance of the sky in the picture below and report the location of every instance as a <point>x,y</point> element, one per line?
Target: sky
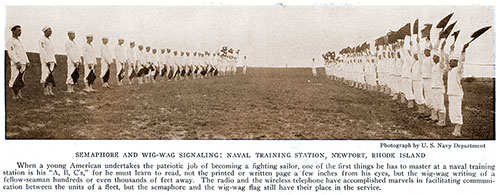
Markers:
<point>268,35</point>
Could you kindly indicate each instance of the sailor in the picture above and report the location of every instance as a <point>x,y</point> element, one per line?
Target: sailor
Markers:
<point>197,68</point>
<point>155,61</point>
<point>181,63</point>
<point>149,65</point>
<point>18,61</point>
<point>170,64</point>
<point>406,75</point>
<point>174,66</point>
<point>354,70</point>
<point>213,65</point>
<point>121,59</point>
<point>390,74</point>
<point>106,61</point>
<point>175,69</point>
<point>438,112</point>
<point>236,61</point>
<point>47,60</point>
<point>204,60</point>
<point>223,62</point>
<point>141,64</point>
<point>362,70</point>
<point>195,64</point>
<point>416,77</point>
<point>388,63</point>
<point>313,67</point>
<point>208,63</point>
<point>188,63</point>
<point>73,60</point>
<point>398,79</point>
<point>163,63</point>
<point>427,73</point>
<point>371,75</point>
<point>200,65</point>
<point>454,88</point>
<point>89,62</point>
<point>131,63</point>
<point>244,62</point>
<point>381,66</point>
<point>208,59</point>
<point>229,61</point>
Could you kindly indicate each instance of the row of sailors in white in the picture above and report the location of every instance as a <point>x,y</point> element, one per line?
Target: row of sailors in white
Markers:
<point>176,61</point>
<point>143,59</point>
<point>228,63</point>
<point>19,61</point>
<point>391,70</point>
<point>135,60</point>
<point>416,75</point>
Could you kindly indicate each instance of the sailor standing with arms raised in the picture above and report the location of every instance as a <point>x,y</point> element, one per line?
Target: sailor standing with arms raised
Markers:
<point>416,77</point>
<point>454,91</point>
<point>406,74</point>
<point>426,74</point>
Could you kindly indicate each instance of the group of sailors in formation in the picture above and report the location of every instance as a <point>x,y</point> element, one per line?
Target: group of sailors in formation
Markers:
<point>143,64</point>
<point>409,73</point>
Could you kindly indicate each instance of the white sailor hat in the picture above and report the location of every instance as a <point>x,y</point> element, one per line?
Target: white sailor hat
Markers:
<point>453,56</point>
<point>414,50</point>
<point>427,45</point>
<point>435,52</point>
<point>14,25</point>
<point>89,35</point>
<point>46,28</point>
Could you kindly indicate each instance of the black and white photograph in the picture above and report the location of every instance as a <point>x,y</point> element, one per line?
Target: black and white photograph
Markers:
<point>243,72</point>
<point>257,97</point>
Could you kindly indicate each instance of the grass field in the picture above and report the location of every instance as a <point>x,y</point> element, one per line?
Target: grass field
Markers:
<point>266,103</point>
